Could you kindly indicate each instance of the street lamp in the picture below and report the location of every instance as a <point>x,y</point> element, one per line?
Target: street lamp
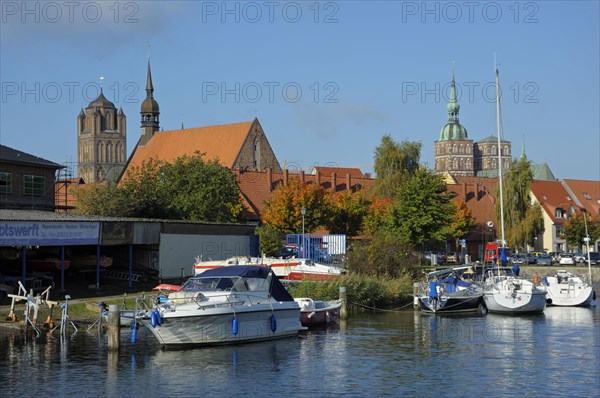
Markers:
<point>303,212</point>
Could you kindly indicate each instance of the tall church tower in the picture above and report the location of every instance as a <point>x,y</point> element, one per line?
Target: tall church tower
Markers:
<point>454,150</point>
<point>149,112</point>
<point>101,141</point>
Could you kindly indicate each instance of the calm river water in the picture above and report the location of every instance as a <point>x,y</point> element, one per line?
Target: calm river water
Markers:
<point>397,354</point>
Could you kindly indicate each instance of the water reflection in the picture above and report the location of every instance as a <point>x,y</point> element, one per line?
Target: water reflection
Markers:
<point>384,354</point>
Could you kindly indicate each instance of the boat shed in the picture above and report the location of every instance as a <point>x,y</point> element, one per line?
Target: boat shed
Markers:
<point>81,249</point>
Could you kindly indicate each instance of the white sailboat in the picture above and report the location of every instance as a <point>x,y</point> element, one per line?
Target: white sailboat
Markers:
<point>566,289</point>
<point>504,291</point>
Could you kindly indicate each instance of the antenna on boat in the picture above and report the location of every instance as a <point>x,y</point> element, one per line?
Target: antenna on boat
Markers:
<point>498,118</point>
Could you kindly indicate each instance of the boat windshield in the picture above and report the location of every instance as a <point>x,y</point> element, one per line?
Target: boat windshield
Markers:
<point>490,272</point>
<point>234,284</point>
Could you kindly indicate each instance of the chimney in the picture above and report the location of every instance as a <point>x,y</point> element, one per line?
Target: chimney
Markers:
<point>348,182</point>
<point>270,178</point>
<point>477,191</point>
<point>318,177</point>
<point>333,182</point>
<point>302,176</point>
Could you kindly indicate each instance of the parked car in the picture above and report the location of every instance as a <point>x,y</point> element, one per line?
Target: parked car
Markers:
<point>594,257</point>
<point>579,258</point>
<point>544,259</point>
<point>452,257</point>
<point>440,257</point>
<point>518,258</point>
<point>554,256</point>
<point>287,252</point>
<point>566,259</point>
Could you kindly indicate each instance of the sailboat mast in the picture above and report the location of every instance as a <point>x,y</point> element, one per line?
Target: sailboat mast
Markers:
<point>499,156</point>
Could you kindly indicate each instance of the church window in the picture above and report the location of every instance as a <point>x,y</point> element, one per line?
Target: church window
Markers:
<point>493,150</point>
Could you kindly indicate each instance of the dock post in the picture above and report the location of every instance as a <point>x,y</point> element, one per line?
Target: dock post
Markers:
<point>114,331</point>
<point>343,310</point>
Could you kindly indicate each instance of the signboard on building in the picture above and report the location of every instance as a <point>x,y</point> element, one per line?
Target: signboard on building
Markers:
<point>40,233</point>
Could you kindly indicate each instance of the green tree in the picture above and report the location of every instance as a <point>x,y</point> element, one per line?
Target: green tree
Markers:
<point>283,210</point>
<point>523,221</point>
<point>422,211</point>
<point>382,255</point>
<point>102,199</point>
<point>394,163</point>
<point>270,239</point>
<point>200,190</point>
<point>574,229</point>
<point>144,185</point>
<point>348,212</point>
<point>188,189</point>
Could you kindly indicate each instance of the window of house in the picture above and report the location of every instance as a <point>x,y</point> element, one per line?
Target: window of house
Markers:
<point>5,182</point>
<point>34,185</point>
<point>558,213</point>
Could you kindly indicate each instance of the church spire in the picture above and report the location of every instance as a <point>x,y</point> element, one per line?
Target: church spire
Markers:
<point>453,105</point>
<point>149,86</point>
<point>149,111</point>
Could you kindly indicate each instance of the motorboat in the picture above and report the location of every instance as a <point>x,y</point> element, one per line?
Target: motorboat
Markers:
<point>451,290</point>
<point>566,289</point>
<point>307,269</point>
<point>505,292</point>
<point>225,305</point>
<point>280,266</point>
<point>289,269</point>
<point>318,312</point>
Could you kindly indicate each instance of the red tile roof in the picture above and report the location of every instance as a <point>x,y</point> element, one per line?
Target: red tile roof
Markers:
<point>339,171</point>
<point>223,142</point>
<point>586,193</point>
<point>552,195</point>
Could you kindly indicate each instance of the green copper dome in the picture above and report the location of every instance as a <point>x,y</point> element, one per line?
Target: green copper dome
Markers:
<point>453,131</point>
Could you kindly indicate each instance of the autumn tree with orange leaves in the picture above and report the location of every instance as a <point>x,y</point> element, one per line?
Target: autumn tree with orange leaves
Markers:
<point>462,222</point>
<point>348,212</point>
<point>283,210</point>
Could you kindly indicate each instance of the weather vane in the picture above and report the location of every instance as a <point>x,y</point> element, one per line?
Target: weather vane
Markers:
<point>148,46</point>
<point>101,78</point>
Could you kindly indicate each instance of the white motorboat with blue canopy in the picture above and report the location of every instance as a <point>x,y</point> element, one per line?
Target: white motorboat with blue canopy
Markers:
<point>223,306</point>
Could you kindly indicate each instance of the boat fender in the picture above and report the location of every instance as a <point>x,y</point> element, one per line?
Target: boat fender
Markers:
<point>273,323</point>
<point>153,319</point>
<point>593,295</point>
<point>133,335</point>
<point>234,326</point>
<point>158,318</point>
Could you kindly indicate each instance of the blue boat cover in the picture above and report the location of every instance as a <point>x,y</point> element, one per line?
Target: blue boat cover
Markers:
<point>277,289</point>
<point>455,281</point>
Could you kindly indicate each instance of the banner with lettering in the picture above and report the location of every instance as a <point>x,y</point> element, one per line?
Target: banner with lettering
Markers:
<point>36,233</point>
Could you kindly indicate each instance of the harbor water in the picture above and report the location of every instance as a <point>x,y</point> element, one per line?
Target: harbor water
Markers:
<point>393,354</point>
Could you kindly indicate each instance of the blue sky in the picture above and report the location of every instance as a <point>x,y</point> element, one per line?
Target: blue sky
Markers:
<point>326,79</point>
